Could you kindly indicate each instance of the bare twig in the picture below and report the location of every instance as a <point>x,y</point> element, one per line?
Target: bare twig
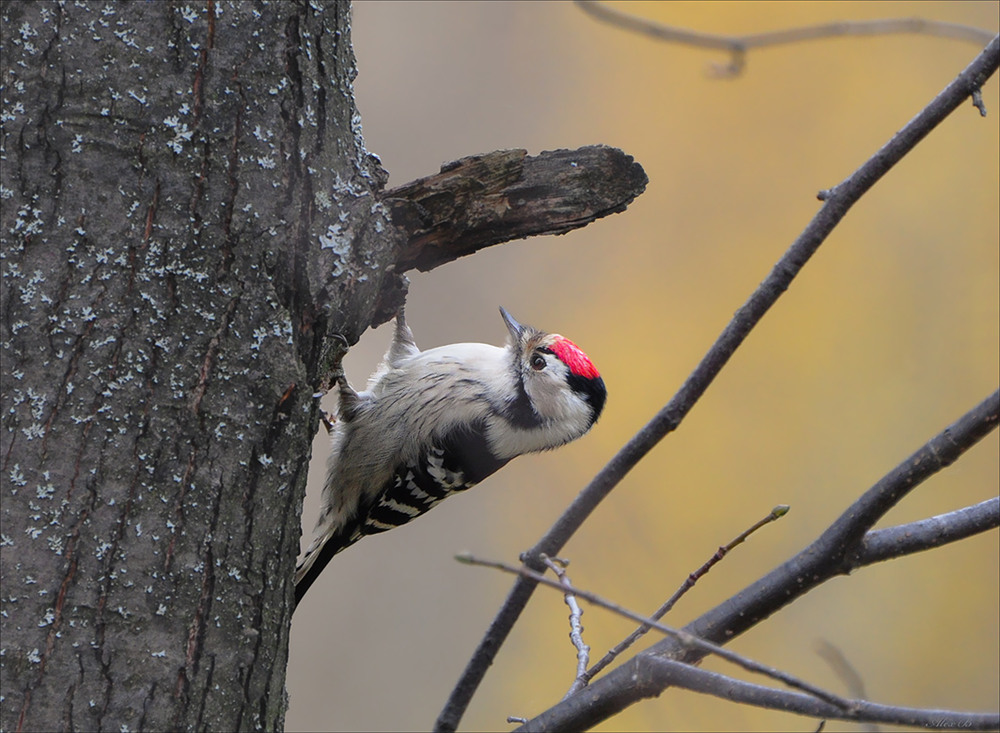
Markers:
<point>844,539</point>
<point>558,566</point>
<point>662,672</point>
<point>683,637</point>
<point>851,678</point>
<point>834,208</point>
<point>738,45</point>
<point>776,513</point>
<point>835,658</point>
<point>926,534</point>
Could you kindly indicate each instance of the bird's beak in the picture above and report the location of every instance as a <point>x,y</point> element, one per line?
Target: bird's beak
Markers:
<point>515,328</point>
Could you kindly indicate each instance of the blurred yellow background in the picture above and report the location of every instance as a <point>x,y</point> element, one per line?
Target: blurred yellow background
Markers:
<point>889,334</point>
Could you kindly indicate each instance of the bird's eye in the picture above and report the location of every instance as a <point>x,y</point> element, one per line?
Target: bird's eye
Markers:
<point>538,362</point>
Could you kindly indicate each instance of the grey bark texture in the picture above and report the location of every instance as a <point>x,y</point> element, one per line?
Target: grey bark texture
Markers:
<point>179,184</point>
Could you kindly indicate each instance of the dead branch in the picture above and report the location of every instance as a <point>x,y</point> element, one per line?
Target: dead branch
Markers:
<point>487,199</point>
<point>738,45</point>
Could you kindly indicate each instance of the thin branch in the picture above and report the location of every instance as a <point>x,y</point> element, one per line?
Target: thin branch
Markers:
<point>844,537</point>
<point>841,667</point>
<point>668,672</point>
<point>851,678</point>
<point>738,45</point>
<point>835,207</point>
<point>689,641</point>
<point>834,553</point>
<point>776,513</point>
<point>926,534</point>
<point>486,199</point>
<point>558,566</point>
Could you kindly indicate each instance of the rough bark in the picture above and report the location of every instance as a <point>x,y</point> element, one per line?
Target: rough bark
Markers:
<point>179,183</point>
<point>482,200</point>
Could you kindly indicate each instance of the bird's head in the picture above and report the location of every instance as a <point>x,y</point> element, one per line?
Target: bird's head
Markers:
<point>559,384</point>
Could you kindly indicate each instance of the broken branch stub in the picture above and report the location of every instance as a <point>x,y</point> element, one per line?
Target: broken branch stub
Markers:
<point>487,199</point>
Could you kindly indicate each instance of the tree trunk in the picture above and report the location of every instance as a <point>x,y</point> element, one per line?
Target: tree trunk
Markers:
<point>191,239</point>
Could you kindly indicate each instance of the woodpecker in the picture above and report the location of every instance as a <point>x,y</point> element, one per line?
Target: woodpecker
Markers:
<point>432,423</point>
